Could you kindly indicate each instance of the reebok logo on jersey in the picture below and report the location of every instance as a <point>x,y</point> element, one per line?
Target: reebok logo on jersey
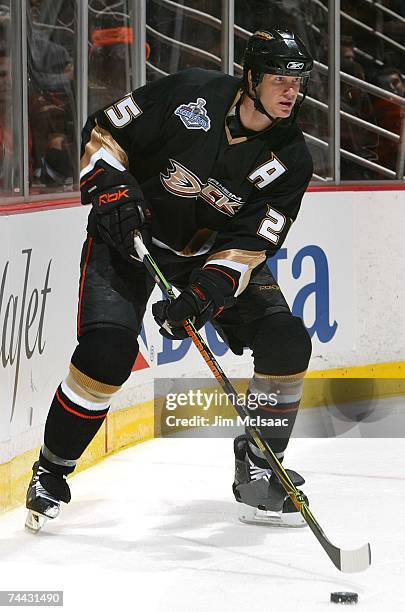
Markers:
<point>269,287</point>
<point>194,115</point>
<point>107,198</point>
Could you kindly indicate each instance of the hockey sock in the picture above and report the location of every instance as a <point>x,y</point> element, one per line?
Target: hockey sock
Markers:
<point>77,412</point>
<point>274,401</point>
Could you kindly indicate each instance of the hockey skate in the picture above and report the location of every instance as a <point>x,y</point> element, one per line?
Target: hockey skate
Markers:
<point>45,492</point>
<point>264,500</point>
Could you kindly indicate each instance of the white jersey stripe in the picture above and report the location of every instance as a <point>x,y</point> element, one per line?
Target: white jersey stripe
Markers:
<point>204,249</point>
<point>106,156</point>
<point>234,265</point>
<point>80,401</point>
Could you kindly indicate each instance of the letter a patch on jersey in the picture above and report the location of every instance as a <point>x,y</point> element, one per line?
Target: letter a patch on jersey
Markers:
<point>194,115</point>
<point>268,172</point>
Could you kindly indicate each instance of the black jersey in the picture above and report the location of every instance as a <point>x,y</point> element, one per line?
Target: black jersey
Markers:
<point>232,197</point>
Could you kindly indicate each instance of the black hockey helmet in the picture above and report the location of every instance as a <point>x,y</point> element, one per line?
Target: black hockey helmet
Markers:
<point>276,51</point>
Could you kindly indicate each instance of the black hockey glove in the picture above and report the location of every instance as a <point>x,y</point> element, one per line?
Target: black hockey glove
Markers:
<point>119,212</point>
<point>119,207</point>
<point>201,301</point>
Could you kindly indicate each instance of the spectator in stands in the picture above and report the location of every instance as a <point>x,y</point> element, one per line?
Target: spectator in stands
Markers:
<point>51,104</point>
<point>346,49</point>
<point>357,140</point>
<point>50,64</point>
<point>390,78</point>
<point>5,76</point>
<point>9,173</point>
<point>349,54</point>
<point>5,100</point>
<point>388,114</point>
<point>370,20</point>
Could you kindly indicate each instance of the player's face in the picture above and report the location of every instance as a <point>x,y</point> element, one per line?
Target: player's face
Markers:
<point>278,94</point>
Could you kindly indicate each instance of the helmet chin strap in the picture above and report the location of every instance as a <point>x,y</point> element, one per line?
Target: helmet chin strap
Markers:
<point>259,106</point>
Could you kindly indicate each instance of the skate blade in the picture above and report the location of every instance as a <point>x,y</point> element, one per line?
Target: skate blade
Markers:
<point>34,521</point>
<point>254,516</point>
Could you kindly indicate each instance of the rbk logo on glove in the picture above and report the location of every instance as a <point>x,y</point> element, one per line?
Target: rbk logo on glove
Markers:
<point>112,196</point>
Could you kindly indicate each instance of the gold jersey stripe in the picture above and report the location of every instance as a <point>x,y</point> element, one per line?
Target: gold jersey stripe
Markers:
<point>230,138</point>
<point>251,259</point>
<point>101,138</point>
<point>89,388</point>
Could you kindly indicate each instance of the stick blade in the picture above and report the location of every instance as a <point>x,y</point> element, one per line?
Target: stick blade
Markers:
<point>352,561</point>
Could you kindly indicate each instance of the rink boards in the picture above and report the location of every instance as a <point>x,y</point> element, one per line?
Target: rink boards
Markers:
<point>341,269</point>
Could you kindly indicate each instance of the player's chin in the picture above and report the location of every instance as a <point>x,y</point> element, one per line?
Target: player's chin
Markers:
<point>284,111</point>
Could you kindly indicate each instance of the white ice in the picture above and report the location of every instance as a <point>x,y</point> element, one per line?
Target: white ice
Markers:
<point>155,528</point>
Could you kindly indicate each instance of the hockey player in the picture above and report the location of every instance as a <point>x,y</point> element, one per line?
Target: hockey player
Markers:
<point>211,170</point>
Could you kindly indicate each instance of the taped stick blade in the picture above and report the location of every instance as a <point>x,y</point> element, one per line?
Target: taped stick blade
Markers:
<point>352,561</point>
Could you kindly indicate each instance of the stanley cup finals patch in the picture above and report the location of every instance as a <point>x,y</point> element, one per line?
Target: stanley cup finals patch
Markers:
<point>194,115</point>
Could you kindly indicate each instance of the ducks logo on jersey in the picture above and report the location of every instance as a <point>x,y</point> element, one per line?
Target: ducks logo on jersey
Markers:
<point>180,180</point>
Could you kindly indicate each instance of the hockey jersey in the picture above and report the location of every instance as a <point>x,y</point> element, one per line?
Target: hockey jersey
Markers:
<point>210,191</point>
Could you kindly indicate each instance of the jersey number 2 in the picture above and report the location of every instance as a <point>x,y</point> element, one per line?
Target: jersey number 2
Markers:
<point>272,225</point>
<point>122,113</point>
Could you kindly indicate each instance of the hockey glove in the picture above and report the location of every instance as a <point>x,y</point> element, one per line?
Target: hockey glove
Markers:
<point>119,212</point>
<point>119,207</point>
<point>201,301</point>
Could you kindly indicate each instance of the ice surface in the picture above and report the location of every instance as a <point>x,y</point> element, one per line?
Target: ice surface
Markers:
<point>155,528</point>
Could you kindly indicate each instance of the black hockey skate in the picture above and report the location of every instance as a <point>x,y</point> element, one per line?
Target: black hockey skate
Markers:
<point>45,492</point>
<point>264,500</point>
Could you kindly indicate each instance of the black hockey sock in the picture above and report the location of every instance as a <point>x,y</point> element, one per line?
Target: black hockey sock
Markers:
<point>69,429</point>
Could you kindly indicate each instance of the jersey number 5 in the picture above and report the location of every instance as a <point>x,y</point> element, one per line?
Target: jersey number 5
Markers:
<point>122,112</point>
<point>272,225</point>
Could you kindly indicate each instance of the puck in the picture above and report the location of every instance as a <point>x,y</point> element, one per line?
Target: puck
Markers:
<point>344,597</point>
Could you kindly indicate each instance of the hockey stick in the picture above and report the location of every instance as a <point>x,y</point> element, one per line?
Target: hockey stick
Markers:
<point>349,561</point>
